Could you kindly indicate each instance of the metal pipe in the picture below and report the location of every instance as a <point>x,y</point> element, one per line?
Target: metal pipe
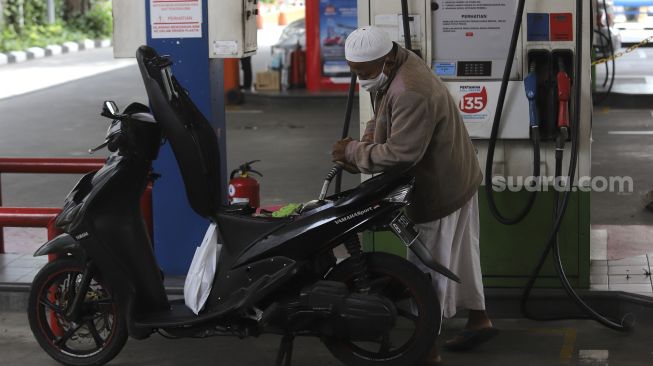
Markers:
<point>2,233</point>
<point>27,216</point>
<point>146,209</point>
<point>45,165</point>
<point>44,216</point>
<point>50,165</point>
<point>53,232</point>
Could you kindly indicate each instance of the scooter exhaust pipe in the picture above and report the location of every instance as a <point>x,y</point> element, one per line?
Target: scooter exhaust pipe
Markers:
<point>425,256</point>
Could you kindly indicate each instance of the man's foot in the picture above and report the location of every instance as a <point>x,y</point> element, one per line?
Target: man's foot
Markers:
<point>468,339</point>
<point>433,359</point>
<point>477,320</point>
<point>478,330</point>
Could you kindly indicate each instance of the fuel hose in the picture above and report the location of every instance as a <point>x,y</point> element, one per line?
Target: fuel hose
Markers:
<point>489,192</point>
<point>345,126</point>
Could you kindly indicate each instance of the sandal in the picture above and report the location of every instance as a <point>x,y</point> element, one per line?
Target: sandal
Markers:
<point>468,339</point>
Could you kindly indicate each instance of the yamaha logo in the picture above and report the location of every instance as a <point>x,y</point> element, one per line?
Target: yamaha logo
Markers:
<point>82,236</point>
<point>356,214</point>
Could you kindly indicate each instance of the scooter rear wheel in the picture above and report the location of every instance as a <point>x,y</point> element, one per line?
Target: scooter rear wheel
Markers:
<point>100,331</point>
<point>418,313</point>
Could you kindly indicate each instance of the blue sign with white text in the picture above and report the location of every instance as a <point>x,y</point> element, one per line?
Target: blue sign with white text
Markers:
<point>445,68</point>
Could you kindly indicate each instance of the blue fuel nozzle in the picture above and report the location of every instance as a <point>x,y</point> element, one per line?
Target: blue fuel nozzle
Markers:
<point>530,84</point>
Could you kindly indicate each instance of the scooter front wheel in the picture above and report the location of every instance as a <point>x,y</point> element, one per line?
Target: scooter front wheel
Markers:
<point>94,335</point>
<point>418,313</point>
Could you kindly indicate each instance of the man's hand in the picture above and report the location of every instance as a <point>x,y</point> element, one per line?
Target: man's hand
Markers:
<point>338,150</point>
<point>338,155</point>
<point>351,168</point>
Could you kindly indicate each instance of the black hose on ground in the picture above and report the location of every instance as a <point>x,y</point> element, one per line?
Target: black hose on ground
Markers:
<point>489,192</point>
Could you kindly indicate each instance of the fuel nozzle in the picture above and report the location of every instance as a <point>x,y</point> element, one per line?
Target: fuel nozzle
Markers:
<point>564,94</point>
<point>530,85</point>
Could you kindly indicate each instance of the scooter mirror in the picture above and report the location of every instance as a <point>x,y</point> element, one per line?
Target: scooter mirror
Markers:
<point>110,108</point>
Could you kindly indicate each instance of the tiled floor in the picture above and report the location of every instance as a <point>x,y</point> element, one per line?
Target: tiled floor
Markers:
<point>19,268</point>
<point>629,274</point>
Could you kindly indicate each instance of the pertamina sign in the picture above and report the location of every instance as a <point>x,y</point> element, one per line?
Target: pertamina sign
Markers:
<point>472,103</point>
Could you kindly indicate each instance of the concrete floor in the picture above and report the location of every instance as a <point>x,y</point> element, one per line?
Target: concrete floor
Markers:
<point>520,342</point>
<point>633,73</point>
<point>622,147</point>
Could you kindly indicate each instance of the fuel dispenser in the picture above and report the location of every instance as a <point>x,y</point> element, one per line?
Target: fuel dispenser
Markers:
<point>517,98</point>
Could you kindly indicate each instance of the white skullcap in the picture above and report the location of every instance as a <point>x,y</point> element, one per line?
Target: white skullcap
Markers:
<point>367,44</point>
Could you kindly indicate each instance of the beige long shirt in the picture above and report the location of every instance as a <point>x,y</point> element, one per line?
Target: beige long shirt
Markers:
<point>417,122</point>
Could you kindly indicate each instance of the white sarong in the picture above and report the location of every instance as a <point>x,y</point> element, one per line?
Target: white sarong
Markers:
<point>453,242</point>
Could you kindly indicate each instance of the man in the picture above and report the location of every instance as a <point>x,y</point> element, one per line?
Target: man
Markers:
<point>417,122</point>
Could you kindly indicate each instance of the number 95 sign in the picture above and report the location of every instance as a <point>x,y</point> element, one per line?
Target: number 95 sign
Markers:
<point>472,103</point>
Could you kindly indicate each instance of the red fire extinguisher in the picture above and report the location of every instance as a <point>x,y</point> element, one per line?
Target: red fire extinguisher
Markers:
<point>242,187</point>
<point>297,67</point>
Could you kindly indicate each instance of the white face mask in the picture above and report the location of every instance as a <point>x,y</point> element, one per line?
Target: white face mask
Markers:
<point>372,85</point>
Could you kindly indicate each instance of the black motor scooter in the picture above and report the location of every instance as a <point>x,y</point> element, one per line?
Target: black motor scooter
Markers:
<point>274,275</point>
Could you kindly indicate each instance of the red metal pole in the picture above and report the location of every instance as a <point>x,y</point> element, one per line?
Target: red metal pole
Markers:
<point>146,210</point>
<point>44,165</point>
<point>27,216</point>
<point>50,165</point>
<point>53,232</point>
<point>43,217</point>
<point>2,229</point>
<point>313,57</point>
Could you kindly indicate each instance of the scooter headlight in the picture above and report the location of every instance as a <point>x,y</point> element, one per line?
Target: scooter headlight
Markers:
<point>400,195</point>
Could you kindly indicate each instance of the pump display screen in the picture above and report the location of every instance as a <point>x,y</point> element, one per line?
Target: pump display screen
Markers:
<point>475,68</point>
<point>474,34</point>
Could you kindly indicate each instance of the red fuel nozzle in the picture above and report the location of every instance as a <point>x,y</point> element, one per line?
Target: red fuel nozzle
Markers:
<point>564,93</point>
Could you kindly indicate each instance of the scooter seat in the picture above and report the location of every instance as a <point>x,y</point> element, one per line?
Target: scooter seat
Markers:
<point>238,231</point>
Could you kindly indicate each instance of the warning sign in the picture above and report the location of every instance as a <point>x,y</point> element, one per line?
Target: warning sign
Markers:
<point>472,103</point>
<point>176,18</point>
<point>469,29</point>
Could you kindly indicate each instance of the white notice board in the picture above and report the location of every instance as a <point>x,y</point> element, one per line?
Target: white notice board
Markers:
<point>473,29</point>
<point>176,18</point>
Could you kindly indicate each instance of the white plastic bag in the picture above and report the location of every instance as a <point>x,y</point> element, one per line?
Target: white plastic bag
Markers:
<point>199,279</point>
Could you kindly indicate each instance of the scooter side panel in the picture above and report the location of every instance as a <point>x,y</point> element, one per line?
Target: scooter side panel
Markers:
<point>306,237</point>
<point>115,237</point>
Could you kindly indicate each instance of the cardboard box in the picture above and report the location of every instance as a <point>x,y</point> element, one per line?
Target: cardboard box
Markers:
<point>268,80</point>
